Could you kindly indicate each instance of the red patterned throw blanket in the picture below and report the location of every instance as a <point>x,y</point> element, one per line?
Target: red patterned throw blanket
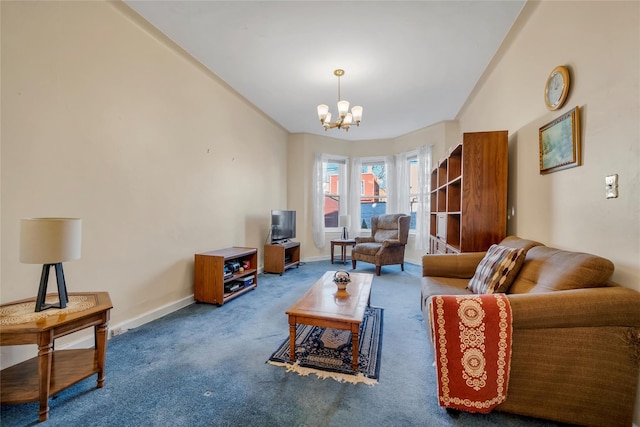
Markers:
<point>472,337</point>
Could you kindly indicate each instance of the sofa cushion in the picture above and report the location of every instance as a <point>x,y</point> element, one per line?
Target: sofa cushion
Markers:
<point>497,270</point>
<point>549,269</point>
<point>444,286</point>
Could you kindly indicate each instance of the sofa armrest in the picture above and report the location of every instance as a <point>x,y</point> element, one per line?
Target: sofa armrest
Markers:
<point>461,265</point>
<point>593,307</point>
<point>364,240</point>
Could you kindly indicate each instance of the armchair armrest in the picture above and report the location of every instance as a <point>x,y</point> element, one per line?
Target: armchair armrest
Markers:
<point>462,266</point>
<point>587,307</point>
<point>364,240</point>
<point>392,242</point>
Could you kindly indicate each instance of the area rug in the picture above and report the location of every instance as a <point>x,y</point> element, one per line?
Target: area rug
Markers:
<point>327,352</point>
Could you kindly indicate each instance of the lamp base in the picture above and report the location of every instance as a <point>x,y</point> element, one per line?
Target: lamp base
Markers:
<point>42,290</point>
<point>345,233</point>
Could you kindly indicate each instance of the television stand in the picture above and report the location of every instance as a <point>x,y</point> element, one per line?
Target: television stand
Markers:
<point>280,256</point>
<point>212,285</point>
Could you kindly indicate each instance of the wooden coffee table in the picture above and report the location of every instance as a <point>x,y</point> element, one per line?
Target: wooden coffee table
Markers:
<point>323,305</point>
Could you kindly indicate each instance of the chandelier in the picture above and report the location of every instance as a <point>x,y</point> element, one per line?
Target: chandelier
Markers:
<point>345,118</point>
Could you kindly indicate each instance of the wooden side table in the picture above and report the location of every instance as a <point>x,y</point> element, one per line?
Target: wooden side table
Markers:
<point>343,248</point>
<point>52,370</point>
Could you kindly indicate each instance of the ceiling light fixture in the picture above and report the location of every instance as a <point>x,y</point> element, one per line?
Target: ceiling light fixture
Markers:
<point>345,118</point>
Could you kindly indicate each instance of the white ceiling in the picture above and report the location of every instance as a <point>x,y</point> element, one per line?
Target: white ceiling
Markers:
<point>409,64</point>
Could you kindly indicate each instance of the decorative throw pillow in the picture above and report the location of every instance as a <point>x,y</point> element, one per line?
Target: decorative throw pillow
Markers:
<point>497,270</point>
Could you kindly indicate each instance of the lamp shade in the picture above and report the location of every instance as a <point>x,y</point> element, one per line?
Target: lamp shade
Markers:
<point>357,113</point>
<point>50,240</point>
<point>344,220</point>
<point>322,111</point>
<point>343,108</point>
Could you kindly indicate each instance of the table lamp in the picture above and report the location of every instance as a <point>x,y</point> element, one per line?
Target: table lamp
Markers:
<point>344,223</point>
<point>50,242</point>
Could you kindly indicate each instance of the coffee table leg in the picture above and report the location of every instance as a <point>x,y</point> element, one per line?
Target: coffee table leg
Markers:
<point>292,338</point>
<point>355,339</point>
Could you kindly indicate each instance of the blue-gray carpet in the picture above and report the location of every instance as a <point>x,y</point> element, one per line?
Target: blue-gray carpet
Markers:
<point>205,366</point>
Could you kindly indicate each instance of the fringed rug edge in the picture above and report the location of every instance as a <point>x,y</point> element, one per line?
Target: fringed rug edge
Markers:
<point>304,371</point>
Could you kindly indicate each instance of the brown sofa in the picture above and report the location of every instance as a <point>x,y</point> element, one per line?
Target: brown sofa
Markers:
<point>576,335</point>
<point>389,234</point>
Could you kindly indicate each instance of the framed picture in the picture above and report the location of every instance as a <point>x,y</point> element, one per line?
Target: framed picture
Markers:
<point>560,143</point>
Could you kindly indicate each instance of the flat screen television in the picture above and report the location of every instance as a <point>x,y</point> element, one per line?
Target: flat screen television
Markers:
<point>283,225</point>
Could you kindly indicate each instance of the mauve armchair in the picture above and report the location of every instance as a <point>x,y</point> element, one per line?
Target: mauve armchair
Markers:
<point>389,234</point>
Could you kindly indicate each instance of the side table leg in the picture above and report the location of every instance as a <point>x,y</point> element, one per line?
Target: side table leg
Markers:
<point>332,245</point>
<point>101,349</point>
<point>355,339</point>
<point>45,357</point>
<point>292,338</point>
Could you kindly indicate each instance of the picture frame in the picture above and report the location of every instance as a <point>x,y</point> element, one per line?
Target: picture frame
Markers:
<point>560,143</point>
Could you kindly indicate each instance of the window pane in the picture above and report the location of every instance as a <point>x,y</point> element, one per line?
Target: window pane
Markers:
<point>371,208</point>
<point>332,182</point>
<point>373,196</point>
<point>413,191</point>
<point>331,210</point>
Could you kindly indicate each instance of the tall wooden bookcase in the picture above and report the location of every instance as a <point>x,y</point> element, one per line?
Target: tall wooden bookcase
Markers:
<point>469,194</point>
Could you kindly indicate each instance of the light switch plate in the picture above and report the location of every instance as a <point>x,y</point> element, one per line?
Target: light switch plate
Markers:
<point>611,185</point>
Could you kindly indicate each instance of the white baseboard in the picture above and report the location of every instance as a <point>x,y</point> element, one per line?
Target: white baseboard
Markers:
<point>315,258</point>
<point>327,258</point>
<point>123,327</point>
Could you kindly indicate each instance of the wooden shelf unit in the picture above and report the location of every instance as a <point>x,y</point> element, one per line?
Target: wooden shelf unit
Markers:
<point>208,274</point>
<point>279,257</point>
<point>469,194</point>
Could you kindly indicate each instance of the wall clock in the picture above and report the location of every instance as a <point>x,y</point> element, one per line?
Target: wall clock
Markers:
<point>557,87</point>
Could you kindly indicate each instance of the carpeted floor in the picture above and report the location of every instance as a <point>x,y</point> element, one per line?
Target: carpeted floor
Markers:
<point>205,366</point>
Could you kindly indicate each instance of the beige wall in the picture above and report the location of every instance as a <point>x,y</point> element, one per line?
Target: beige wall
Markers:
<point>600,42</point>
<point>105,119</point>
